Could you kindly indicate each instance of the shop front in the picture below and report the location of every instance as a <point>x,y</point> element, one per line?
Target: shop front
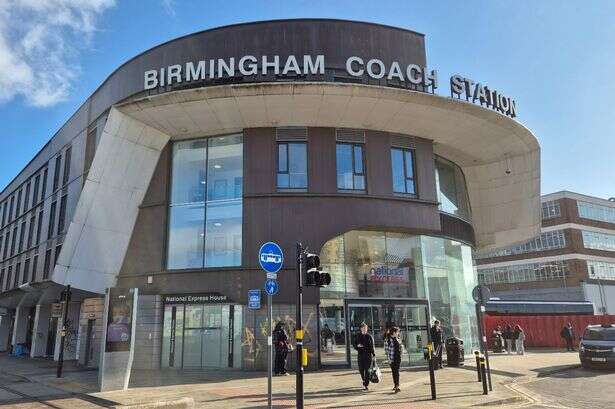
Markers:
<point>201,331</point>
<point>390,279</point>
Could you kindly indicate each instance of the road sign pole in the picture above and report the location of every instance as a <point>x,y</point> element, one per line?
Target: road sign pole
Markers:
<point>270,347</point>
<point>483,341</point>
<point>299,328</point>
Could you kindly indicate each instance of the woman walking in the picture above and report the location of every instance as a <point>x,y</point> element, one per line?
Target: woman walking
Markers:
<point>519,340</point>
<point>508,338</point>
<point>281,349</point>
<point>394,356</point>
<point>364,344</point>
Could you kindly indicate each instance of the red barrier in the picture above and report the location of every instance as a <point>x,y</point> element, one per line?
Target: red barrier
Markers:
<point>544,330</point>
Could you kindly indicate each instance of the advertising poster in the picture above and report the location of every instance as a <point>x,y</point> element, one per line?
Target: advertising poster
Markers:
<point>119,324</point>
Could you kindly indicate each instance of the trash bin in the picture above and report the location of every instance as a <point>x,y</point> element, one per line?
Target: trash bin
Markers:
<point>454,351</point>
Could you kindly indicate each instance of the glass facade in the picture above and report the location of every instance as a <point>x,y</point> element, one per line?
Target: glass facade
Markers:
<point>451,189</point>
<point>371,264</point>
<point>205,227</point>
<point>596,212</point>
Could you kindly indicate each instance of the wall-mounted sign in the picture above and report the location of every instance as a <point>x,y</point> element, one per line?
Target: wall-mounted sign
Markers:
<point>207,298</point>
<point>476,92</point>
<point>386,274</point>
<point>56,310</point>
<point>250,65</point>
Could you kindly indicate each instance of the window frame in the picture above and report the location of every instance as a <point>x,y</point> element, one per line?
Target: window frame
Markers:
<point>403,151</point>
<point>287,171</point>
<point>363,174</point>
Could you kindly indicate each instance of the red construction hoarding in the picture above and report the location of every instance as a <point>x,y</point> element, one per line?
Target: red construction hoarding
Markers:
<point>544,330</point>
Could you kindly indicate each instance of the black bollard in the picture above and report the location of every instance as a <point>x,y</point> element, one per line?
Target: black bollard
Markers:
<point>483,375</point>
<point>477,356</point>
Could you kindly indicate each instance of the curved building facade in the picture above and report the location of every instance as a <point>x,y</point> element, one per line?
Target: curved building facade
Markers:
<point>193,154</point>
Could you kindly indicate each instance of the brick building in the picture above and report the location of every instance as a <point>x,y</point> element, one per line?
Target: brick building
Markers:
<point>573,259</point>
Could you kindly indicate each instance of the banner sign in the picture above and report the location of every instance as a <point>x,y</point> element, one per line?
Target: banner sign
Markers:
<point>386,274</point>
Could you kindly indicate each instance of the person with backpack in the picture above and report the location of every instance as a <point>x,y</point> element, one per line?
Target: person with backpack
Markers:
<point>364,345</point>
<point>282,347</point>
<point>394,355</point>
<point>437,338</point>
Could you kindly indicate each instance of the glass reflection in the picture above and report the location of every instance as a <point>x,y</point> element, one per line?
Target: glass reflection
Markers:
<point>451,188</point>
<point>206,203</point>
<point>386,265</point>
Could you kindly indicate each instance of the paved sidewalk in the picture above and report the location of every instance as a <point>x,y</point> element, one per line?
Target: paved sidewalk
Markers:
<point>456,387</point>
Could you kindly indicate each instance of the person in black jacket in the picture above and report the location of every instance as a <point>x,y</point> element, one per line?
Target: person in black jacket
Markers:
<point>437,338</point>
<point>364,344</point>
<point>394,351</point>
<point>281,349</point>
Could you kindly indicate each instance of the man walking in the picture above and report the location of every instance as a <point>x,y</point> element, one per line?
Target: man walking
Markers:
<point>568,334</point>
<point>437,338</point>
<point>364,344</point>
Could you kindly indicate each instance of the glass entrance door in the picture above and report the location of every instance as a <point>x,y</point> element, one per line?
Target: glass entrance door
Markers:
<point>379,316</point>
<point>201,336</point>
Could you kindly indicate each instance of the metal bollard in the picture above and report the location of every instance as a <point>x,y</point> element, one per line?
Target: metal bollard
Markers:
<point>477,356</point>
<point>483,375</point>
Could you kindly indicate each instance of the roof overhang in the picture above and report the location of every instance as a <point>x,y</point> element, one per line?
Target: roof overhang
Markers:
<point>499,156</point>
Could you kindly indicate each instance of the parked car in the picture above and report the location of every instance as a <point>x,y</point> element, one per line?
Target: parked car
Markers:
<point>597,347</point>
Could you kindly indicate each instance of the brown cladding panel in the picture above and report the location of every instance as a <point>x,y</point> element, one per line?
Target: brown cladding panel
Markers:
<point>321,160</point>
<point>378,163</point>
<point>259,160</point>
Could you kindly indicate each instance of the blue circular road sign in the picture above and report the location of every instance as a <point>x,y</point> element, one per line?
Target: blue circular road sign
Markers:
<point>271,287</point>
<point>270,257</point>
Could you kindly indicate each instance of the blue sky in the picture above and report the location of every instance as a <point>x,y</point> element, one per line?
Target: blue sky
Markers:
<point>556,58</point>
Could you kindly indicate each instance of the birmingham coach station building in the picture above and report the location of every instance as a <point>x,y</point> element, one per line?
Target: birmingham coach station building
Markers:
<point>193,154</point>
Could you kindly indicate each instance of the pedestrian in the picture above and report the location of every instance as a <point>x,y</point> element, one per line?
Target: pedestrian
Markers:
<point>519,336</point>
<point>437,339</point>
<point>364,344</point>
<point>568,334</point>
<point>394,355</point>
<point>508,338</point>
<point>282,346</point>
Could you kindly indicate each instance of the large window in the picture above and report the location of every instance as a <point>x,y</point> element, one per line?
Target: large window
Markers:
<point>601,270</point>
<point>451,188</point>
<point>598,241</point>
<point>402,164</point>
<point>596,212</point>
<point>350,166</point>
<point>520,273</point>
<point>551,210</point>
<point>550,240</point>
<point>206,203</point>
<point>292,165</point>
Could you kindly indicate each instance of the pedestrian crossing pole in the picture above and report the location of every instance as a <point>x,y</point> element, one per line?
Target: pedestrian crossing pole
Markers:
<point>299,327</point>
<point>270,351</point>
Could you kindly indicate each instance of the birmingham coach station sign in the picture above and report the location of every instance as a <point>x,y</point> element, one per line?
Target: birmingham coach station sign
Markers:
<point>356,67</point>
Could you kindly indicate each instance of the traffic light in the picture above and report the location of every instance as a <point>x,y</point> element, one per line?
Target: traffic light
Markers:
<point>314,275</point>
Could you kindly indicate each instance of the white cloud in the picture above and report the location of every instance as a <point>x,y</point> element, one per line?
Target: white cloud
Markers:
<point>169,7</point>
<point>39,43</point>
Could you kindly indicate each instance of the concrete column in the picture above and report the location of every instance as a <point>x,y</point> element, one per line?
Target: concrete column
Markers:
<point>72,327</point>
<point>5,328</point>
<point>21,325</point>
<point>41,330</point>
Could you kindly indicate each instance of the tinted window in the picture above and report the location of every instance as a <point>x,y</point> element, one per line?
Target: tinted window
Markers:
<point>599,334</point>
<point>350,166</point>
<point>292,165</point>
